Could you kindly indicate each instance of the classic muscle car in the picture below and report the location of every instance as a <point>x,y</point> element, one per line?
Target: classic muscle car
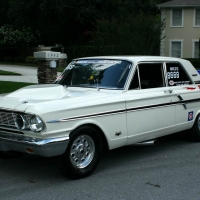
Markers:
<point>101,103</point>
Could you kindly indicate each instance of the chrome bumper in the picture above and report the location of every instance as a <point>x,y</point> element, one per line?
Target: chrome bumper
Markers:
<point>42,147</point>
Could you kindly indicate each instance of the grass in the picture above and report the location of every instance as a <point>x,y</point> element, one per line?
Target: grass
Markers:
<point>9,73</point>
<point>59,69</point>
<point>7,86</point>
<point>21,64</point>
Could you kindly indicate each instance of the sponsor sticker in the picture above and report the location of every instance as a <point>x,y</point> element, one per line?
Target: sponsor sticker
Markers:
<point>99,62</point>
<point>190,116</point>
<point>171,82</point>
<point>59,78</point>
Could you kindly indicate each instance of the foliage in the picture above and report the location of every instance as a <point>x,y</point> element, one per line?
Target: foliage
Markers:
<point>195,62</point>
<point>136,35</point>
<point>30,59</point>
<point>19,59</point>
<point>8,59</point>
<point>7,86</point>
<point>13,37</point>
<point>69,22</point>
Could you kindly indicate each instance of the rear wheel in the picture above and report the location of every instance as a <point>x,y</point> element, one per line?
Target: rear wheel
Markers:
<point>194,132</point>
<point>82,154</point>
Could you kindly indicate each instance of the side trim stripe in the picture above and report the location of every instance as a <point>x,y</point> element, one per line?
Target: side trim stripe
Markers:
<point>125,110</point>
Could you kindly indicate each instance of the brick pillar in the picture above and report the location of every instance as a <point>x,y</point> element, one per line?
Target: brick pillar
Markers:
<point>45,73</point>
<point>47,66</point>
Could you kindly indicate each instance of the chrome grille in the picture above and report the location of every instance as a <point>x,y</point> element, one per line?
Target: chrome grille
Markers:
<point>7,119</point>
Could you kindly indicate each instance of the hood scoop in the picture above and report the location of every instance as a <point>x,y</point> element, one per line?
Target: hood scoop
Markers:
<point>39,92</point>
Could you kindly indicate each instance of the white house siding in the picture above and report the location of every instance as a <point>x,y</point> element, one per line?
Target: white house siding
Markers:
<point>186,34</point>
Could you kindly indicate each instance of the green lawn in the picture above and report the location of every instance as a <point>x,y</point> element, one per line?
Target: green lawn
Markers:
<point>21,64</point>
<point>9,73</point>
<point>7,86</point>
<point>59,69</point>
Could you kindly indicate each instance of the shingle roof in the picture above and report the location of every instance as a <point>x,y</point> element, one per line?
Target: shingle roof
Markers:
<point>180,3</point>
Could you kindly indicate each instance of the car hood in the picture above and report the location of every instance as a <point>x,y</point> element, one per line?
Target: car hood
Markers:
<point>42,95</point>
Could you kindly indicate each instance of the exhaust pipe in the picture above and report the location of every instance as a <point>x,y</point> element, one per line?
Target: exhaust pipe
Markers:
<point>150,142</point>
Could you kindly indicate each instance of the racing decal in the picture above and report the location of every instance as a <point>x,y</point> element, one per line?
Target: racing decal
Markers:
<point>171,82</point>
<point>190,116</point>
<point>190,88</point>
<point>70,66</point>
<point>99,61</point>
<point>59,78</point>
<point>172,75</point>
<point>177,83</point>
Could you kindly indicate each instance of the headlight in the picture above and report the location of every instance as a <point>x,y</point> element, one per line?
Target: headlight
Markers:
<point>20,121</point>
<point>36,124</point>
<point>25,122</point>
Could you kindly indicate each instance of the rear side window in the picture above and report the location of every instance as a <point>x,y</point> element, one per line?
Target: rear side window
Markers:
<point>176,75</point>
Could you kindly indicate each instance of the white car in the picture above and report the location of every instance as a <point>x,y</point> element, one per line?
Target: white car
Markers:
<point>101,103</point>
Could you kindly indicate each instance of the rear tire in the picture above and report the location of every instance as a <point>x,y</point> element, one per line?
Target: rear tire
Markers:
<point>83,153</point>
<point>194,132</point>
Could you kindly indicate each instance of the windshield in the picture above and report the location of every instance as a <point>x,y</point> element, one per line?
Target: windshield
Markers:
<point>110,74</point>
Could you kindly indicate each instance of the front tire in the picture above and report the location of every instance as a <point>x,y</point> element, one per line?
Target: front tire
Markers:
<point>83,153</point>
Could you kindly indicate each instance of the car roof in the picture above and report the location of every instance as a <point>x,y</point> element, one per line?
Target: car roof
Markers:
<point>136,58</point>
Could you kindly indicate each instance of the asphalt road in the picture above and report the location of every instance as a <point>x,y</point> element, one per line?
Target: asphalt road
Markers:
<point>169,170</point>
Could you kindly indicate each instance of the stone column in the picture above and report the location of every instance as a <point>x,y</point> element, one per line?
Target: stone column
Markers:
<point>45,73</point>
<point>47,66</point>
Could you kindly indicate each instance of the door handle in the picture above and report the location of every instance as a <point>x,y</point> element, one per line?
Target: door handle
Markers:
<point>168,91</point>
<point>181,99</point>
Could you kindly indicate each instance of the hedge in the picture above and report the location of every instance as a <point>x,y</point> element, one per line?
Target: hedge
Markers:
<point>195,62</point>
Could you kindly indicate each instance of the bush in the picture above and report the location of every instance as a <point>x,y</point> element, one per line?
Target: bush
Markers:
<point>8,59</point>
<point>30,59</point>
<point>195,62</point>
<point>19,59</point>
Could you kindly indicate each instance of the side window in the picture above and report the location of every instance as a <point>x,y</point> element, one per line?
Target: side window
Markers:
<point>176,75</point>
<point>151,75</point>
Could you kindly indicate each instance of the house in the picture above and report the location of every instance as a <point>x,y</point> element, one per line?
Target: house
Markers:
<point>182,30</point>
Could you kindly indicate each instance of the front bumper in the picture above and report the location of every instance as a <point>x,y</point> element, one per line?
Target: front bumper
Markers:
<point>42,147</point>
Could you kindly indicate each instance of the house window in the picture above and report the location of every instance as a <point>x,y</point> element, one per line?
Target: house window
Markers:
<point>197,17</point>
<point>196,49</point>
<point>177,17</point>
<point>176,49</point>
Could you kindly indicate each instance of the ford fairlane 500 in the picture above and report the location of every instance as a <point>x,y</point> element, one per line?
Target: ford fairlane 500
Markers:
<point>101,102</point>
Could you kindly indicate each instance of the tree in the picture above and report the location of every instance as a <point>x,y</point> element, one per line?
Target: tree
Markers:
<point>135,35</point>
<point>68,21</point>
<point>15,38</point>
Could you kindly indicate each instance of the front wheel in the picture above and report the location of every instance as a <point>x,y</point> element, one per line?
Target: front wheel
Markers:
<point>82,154</point>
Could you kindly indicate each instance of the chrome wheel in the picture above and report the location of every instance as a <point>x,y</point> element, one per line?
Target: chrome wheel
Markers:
<point>82,151</point>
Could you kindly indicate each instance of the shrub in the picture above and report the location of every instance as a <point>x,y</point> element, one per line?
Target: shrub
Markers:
<point>8,59</point>
<point>195,62</point>
<point>19,59</point>
<point>30,59</point>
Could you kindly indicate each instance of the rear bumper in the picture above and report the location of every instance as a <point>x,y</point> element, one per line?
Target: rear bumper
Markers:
<point>42,147</point>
